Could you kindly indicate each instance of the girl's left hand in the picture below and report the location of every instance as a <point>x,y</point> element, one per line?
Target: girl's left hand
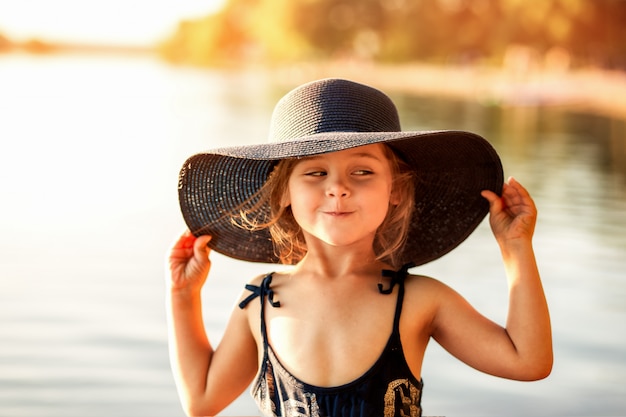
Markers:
<point>512,216</point>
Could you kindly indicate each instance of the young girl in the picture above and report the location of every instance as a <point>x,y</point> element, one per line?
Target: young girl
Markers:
<point>352,202</point>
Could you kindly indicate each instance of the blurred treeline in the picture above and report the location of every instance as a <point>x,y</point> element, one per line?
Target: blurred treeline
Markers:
<point>458,32</point>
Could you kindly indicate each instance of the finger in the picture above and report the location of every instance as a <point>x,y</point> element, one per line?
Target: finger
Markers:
<point>183,241</point>
<point>519,187</point>
<point>495,202</point>
<point>510,194</point>
<point>521,195</point>
<point>200,245</point>
<point>183,248</point>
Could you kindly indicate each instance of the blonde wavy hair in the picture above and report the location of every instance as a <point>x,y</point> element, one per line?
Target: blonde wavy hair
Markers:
<point>289,244</point>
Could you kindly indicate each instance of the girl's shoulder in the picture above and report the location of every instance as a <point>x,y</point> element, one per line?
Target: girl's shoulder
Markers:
<point>422,282</point>
<point>272,277</point>
<point>257,280</point>
<point>429,296</point>
<point>426,288</point>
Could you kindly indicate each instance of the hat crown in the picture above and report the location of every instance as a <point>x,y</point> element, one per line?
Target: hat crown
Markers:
<point>332,105</point>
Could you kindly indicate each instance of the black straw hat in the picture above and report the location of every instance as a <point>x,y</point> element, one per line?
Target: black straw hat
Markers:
<point>329,115</point>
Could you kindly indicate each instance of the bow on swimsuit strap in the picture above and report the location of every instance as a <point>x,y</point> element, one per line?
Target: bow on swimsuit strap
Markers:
<point>396,277</point>
<point>260,291</point>
<point>265,288</point>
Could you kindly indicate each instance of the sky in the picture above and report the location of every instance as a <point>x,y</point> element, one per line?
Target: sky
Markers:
<point>125,22</point>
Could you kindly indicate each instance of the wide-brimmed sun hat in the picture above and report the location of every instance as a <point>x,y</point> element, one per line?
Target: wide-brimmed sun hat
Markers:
<point>451,167</point>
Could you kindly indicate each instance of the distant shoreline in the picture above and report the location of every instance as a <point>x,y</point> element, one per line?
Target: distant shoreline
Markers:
<point>594,91</point>
<point>589,90</point>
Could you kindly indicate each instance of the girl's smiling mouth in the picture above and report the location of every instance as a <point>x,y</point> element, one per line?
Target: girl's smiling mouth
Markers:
<point>338,213</point>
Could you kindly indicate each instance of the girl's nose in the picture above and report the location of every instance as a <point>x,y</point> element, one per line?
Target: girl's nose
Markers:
<point>337,188</point>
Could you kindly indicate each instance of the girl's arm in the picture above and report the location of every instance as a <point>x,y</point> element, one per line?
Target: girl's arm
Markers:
<point>522,350</point>
<point>207,379</point>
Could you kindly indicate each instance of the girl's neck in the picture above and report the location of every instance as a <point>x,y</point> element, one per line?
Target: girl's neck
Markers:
<point>339,265</point>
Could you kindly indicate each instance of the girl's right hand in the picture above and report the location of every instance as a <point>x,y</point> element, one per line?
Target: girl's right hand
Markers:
<point>189,262</point>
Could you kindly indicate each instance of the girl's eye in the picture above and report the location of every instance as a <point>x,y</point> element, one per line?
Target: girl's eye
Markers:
<point>363,172</point>
<point>315,173</point>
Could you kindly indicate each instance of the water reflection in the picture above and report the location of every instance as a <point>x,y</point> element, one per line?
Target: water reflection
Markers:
<point>573,162</point>
<point>90,154</point>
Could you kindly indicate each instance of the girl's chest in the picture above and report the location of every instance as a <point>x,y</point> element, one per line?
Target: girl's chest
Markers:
<point>327,340</point>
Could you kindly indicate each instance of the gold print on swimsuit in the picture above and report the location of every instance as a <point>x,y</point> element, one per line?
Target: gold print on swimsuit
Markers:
<point>401,399</point>
<point>295,408</point>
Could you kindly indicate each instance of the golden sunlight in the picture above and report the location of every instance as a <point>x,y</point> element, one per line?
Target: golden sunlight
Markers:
<point>110,22</point>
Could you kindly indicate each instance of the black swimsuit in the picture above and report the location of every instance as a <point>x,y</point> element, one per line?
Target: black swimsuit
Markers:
<point>387,389</point>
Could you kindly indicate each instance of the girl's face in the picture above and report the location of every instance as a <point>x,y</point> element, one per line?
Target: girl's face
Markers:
<point>341,198</point>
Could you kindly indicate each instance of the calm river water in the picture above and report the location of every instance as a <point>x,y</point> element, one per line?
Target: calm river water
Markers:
<point>89,157</point>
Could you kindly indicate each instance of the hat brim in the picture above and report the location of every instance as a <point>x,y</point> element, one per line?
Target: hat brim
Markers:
<point>451,167</point>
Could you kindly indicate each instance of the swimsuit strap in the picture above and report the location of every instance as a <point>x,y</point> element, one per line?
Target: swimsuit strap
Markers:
<point>261,291</point>
<point>397,277</point>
